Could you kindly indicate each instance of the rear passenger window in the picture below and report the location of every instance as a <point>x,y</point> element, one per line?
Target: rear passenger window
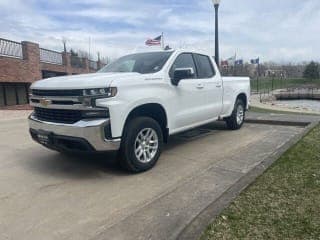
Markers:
<point>204,66</point>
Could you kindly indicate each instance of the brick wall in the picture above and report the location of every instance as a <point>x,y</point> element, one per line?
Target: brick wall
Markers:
<point>21,70</point>
<point>18,71</point>
<point>29,68</point>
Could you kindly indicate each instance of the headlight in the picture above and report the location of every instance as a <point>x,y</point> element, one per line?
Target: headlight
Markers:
<point>100,92</point>
<point>91,95</point>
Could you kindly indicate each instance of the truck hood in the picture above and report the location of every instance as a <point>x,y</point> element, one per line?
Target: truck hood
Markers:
<point>95,80</point>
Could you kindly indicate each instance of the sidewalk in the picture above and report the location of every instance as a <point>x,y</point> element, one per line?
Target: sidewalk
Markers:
<point>14,114</point>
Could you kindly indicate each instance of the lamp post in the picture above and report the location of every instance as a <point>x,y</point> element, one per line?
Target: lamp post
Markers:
<point>216,4</point>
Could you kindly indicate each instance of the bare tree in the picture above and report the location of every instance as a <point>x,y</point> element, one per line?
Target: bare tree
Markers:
<point>64,42</point>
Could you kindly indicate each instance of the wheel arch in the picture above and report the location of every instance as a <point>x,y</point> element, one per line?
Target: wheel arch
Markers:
<point>244,98</point>
<point>153,110</point>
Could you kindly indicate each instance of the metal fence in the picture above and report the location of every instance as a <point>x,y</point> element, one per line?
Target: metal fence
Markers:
<point>93,65</point>
<point>76,62</point>
<point>49,56</point>
<point>10,48</point>
<point>271,89</point>
<point>13,49</point>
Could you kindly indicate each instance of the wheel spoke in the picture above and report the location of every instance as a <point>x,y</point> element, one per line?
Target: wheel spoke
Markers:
<point>148,154</point>
<point>144,156</point>
<point>153,147</point>
<point>153,142</point>
<point>149,135</point>
<point>240,114</point>
<point>139,151</point>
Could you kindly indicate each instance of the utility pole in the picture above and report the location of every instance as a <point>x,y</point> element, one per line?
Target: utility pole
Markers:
<point>216,4</point>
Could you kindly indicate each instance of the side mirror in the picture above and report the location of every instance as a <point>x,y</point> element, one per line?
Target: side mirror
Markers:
<point>182,73</point>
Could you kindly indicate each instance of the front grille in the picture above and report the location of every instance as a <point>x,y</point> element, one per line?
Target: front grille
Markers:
<point>58,115</point>
<point>57,93</point>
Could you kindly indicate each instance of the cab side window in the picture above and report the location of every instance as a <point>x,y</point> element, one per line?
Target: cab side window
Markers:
<point>184,60</point>
<point>204,66</point>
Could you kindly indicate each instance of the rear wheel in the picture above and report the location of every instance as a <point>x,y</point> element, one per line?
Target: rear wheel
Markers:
<point>141,144</point>
<point>236,120</point>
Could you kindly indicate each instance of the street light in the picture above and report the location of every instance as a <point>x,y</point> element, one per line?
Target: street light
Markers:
<point>216,4</point>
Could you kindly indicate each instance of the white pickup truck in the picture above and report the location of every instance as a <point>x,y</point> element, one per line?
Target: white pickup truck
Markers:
<point>134,104</point>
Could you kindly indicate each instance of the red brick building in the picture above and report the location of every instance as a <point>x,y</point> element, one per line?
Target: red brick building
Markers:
<point>23,63</point>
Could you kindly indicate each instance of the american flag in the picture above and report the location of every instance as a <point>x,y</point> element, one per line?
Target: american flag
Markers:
<point>255,61</point>
<point>154,42</point>
<point>238,62</point>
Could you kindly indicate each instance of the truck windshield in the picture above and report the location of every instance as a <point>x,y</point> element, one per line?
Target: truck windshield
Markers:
<point>141,63</point>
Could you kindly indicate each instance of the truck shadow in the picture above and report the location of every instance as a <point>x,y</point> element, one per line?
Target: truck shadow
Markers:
<point>195,134</point>
<point>102,165</point>
<point>72,166</point>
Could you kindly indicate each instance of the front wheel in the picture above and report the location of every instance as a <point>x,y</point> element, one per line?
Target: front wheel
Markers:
<point>141,144</point>
<point>236,120</point>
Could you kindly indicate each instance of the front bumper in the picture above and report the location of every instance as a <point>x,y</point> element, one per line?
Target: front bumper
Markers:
<point>84,132</point>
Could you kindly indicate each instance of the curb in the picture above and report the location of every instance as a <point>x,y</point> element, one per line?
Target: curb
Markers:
<point>285,110</point>
<point>278,122</point>
<point>199,224</point>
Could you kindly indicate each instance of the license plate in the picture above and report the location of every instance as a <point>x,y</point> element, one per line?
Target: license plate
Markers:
<point>44,138</point>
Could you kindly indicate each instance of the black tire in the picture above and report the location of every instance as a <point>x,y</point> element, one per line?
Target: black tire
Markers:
<point>232,121</point>
<point>127,157</point>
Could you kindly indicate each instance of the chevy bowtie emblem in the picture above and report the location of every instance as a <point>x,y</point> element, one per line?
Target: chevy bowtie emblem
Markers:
<point>45,102</point>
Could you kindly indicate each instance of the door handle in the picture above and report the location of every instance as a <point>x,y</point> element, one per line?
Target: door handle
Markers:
<point>218,85</point>
<point>200,86</point>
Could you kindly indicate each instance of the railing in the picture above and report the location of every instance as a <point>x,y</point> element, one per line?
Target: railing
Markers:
<point>49,56</point>
<point>93,65</point>
<point>10,48</point>
<point>13,49</point>
<point>76,62</point>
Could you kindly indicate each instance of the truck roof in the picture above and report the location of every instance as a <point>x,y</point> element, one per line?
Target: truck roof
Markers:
<point>180,50</point>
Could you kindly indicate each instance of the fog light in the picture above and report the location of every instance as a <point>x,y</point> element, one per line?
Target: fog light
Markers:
<point>107,132</point>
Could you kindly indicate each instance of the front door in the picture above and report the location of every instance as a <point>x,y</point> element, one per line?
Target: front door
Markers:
<point>189,101</point>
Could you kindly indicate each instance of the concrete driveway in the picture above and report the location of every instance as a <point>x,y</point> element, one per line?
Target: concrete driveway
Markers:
<point>47,195</point>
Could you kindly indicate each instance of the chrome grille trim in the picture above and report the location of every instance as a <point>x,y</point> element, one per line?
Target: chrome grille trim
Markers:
<point>68,103</point>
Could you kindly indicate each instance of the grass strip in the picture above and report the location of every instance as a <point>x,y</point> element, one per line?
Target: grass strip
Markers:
<point>283,203</point>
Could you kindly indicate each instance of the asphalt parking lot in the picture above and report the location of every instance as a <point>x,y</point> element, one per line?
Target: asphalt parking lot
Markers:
<point>47,195</point>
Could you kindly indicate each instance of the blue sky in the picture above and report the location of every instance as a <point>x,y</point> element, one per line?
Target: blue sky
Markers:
<point>281,31</point>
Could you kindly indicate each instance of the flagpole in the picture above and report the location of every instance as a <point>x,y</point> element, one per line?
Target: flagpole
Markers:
<point>234,63</point>
<point>162,41</point>
<point>258,79</point>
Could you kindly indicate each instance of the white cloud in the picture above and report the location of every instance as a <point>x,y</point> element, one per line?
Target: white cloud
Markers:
<point>284,30</point>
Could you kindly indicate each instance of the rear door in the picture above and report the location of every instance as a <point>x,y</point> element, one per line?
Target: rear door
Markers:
<point>189,99</point>
<point>213,89</point>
